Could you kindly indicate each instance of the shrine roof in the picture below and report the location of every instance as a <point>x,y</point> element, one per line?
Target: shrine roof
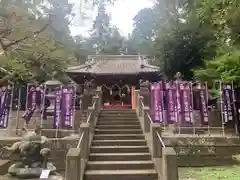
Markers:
<point>114,64</point>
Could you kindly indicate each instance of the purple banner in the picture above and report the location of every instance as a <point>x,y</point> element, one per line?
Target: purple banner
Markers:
<point>57,108</point>
<point>227,101</point>
<point>203,103</point>
<point>157,102</point>
<point>171,102</point>
<point>186,105</point>
<point>67,107</point>
<point>6,98</point>
<point>35,95</point>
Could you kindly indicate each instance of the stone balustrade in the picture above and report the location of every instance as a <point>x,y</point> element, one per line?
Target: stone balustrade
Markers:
<point>165,158</point>
<point>77,157</point>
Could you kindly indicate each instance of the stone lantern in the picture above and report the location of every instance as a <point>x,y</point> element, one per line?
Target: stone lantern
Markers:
<point>51,87</point>
<point>178,76</point>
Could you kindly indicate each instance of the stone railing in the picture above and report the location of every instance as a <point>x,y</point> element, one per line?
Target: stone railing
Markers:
<point>165,158</point>
<point>77,157</point>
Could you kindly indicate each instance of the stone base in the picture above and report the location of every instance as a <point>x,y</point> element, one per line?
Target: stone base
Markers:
<point>21,172</point>
<point>10,177</point>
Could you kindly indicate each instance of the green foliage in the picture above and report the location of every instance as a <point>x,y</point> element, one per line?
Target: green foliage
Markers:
<point>222,17</point>
<point>200,39</point>
<point>34,38</point>
<point>223,68</point>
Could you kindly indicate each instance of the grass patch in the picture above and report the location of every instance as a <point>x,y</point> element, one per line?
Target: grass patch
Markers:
<point>210,173</point>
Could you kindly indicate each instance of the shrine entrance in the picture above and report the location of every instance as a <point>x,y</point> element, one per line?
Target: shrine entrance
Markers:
<point>116,96</point>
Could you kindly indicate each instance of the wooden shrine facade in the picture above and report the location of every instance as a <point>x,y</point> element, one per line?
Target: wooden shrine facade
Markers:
<point>116,74</point>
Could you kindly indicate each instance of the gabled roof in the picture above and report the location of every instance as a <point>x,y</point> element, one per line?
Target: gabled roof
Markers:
<point>114,64</point>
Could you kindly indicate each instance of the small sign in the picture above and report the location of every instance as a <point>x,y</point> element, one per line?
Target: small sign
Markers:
<point>45,174</point>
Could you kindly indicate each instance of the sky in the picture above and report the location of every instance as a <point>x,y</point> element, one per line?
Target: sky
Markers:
<point>121,13</point>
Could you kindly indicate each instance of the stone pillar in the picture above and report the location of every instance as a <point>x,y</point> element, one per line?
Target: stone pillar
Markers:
<point>169,164</point>
<point>73,164</point>
<point>85,144</point>
<point>144,91</point>
<point>140,99</point>
<point>146,122</point>
<point>156,144</point>
<point>99,93</point>
<point>137,101</point>
<point>77,119</point>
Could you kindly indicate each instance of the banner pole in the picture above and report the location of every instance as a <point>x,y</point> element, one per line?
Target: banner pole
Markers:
<point>43,106</point>
<point>222,113</point>
<point>74,106</point>
<point>191,110</point>
<point>18,108</point>
<point>235,111</point>
<point>177,102</point>
<point>206,91</point>
<point>26,105</point>
<point>163,105</point>
<point>10,109</point>
<point>59,118</point>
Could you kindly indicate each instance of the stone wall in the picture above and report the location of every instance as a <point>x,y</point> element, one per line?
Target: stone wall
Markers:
<point>204,151</point>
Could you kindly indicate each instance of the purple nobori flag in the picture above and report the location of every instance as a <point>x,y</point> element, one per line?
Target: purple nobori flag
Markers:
<point>35,97</point>
<point>68,94</point>
<point>171,102</point>
<point>203,103</point>
<point>34,101</point>
<point>6,99</point>
<point>156,102</point>
<point>227,101</point>
<point>57,108</point>
<point>186,101</point>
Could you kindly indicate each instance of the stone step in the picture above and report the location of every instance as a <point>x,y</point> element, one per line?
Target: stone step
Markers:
<point>119,142</point>
<point>118,131</point>
<point>147,174</point>
<point>118,119</point>
<point>118,126</point>
<point>117,110</point>
<point>118,136</point>
<point>119,165</point>
<point>117,115</point>
<point>119,149</point>
<point>120,156</point>
<point>113,122</point>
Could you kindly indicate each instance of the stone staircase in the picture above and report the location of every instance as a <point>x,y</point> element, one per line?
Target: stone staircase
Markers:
<point>119,150</point>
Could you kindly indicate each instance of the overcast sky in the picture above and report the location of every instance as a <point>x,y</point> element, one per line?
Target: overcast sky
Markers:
<point>122,14</point>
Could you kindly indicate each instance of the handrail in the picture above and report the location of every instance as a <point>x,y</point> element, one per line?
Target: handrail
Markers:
<point>89,117</point>
<point>149,117</point>
<point>94,104</point>
<point>80,140</point>
<point>160,139</point>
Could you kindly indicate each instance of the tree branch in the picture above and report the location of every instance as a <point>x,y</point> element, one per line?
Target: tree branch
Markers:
<point>28,36</point>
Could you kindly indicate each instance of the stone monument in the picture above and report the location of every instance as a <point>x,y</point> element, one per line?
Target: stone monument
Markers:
<point>33,156</point>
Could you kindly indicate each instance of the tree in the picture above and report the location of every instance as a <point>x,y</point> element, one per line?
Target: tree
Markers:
<point>142,34</point>
<point>222,17</point>
<point>31,46</point>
